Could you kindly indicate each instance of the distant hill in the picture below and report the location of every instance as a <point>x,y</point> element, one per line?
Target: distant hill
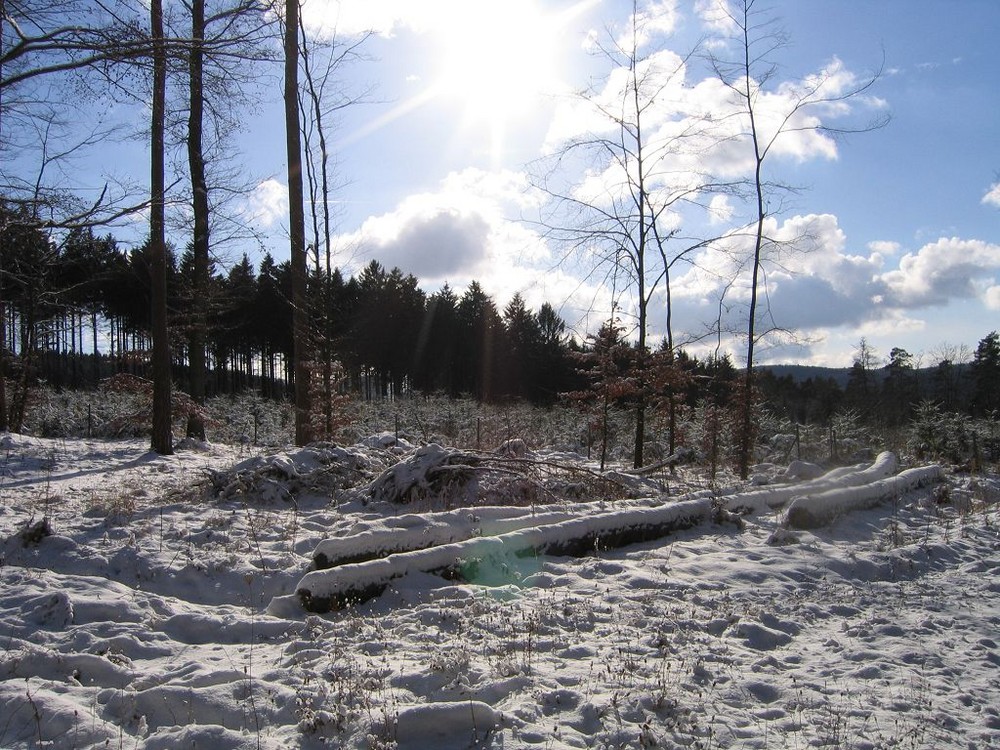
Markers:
<point>841,375</point>
<point>800,373</point>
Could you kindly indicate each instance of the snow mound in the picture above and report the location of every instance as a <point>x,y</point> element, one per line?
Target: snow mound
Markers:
<point>149,627</point>
<point>321,469</point>
<point>446,725</point>
<point>799,470</point>
<point>431,470</point>
<point>361,565</point>
<point>381,537</point>
<point>770,498</point>
<point>387,441</point>
<point>438,477</point>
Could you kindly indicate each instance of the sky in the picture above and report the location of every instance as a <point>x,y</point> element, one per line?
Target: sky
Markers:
<point>894,234</point>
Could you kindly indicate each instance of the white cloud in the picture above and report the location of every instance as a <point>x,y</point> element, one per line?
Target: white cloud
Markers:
<point>942,271</point>
<point>720,209</point>
<point>467,228</point>
<point>716,16</point>
<point>436,243</point>
<point>353,17</point>
<point>810,280</point>
<point>992,197</point>
<point>268,203</point>
<point>654,18</point>
<point>884,247</point>
<point>461,231</point>
<point>828,294</point>
<point>697,127</point>
<point>991,298</point>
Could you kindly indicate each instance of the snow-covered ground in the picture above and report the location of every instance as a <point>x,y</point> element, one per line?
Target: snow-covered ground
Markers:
<point>162,604</point>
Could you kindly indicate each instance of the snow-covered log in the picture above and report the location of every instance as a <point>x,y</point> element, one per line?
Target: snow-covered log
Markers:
<point>414,532</point>
<point>335,588</point>
<point>771,498</point>
<point>818,509</point>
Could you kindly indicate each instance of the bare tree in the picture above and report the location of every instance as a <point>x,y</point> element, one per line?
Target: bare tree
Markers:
<point>41,43</point>
<point>626,218</point>
<point>297,228</point>
<point>747,74</point>
<point>199,201</point>
<point>225,42</point>
<point>321,98</point>
<point>48,49</point>
<point>162,439</point>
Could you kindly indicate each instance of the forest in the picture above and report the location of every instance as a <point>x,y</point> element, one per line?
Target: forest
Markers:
<point>78,312</point>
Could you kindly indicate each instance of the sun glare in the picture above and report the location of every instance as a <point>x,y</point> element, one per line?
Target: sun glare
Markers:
<point>494,62</point>
<point>497,59</point>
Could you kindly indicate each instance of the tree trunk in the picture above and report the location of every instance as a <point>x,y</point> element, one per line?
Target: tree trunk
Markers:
<point>296,227</point>
<point>4,421</point>
<point>746,406</point>
<point>638,457</point>
<point>319,188</point>
<point>97,353</point>
<point>162,439</point>
<point>3,323</point>
<point>200,241</point>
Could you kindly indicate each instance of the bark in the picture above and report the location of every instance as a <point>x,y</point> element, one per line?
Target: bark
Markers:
<point>200,241</point>
<point>4,420</point>
<point>297,228</point>
<point>162,439</point>
<point>324,191</point>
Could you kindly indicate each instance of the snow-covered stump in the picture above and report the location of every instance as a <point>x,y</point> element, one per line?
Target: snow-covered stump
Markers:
<point>819,509</point>
<point>336,588</point>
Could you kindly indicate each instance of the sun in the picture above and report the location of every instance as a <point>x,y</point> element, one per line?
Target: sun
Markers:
<point>498,59</point>
<point>495,63</point>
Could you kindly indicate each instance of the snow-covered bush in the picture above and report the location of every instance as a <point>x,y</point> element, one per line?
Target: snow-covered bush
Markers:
<point>956,438</point>
<point>250,419</point>
<point>116,413</point>
<point>845,439</point>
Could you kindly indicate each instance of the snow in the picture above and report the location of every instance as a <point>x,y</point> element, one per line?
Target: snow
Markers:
<point>158,608</point>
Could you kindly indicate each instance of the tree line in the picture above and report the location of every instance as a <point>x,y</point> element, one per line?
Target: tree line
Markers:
<point>889,391</point>
<point>78,311</point>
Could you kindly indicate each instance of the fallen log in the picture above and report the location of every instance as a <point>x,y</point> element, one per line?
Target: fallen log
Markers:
<point>819,509</point>
<point>335,588</point>
<point>415,532</point>
<point>771,498</point>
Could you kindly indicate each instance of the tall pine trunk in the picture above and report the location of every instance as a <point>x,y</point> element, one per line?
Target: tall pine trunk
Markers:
<point>297,228</point>
<point>4,417</point>
<point>200,241</point>
<point>162,439</point>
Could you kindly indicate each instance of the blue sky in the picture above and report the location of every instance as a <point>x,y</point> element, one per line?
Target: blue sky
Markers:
<point>904,230</point>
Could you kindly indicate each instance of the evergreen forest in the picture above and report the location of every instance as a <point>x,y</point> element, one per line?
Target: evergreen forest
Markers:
<point>77,312</point>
